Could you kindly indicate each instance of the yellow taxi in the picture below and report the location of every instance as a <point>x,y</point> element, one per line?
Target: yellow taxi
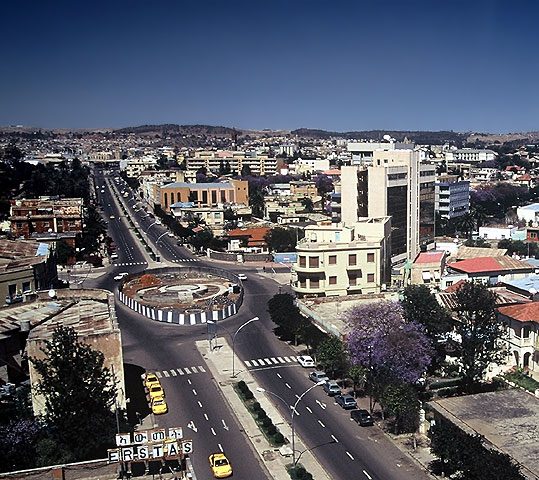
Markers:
<point>159,406</point>
<point>220,465</point>
<point>151,379</point>
<point>156,390</point>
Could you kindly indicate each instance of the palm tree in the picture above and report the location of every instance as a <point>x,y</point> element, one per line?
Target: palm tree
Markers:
<point>256,200</point>
<point>466,223</point>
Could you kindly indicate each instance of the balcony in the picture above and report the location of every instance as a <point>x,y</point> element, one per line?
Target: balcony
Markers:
<point>309,267</point>
<point>305,289</point>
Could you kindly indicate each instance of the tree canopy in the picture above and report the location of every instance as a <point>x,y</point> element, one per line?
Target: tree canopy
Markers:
<point>79,394</point>
<point>281,239</point>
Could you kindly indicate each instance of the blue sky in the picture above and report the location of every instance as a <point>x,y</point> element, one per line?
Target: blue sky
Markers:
<point>335,65</point>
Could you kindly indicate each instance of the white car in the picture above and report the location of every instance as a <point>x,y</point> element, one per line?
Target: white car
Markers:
<point>170,234</point>
<point>120,276</point>
<point>306,361</point>
<point>242,276</point>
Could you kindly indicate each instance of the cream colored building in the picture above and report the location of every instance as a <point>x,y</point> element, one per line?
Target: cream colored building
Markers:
<point>341,260</point>
<point>397,185</point>
<point>258,163</point>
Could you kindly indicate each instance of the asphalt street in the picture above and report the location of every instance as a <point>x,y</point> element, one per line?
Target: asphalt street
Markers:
<point>344,449</point>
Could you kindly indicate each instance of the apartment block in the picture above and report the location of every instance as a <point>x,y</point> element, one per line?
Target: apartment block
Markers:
<point>470,155</point>
<point>258,163</point>
<point>340,260</point>
<point>395,185</point>
<point>452,196</point>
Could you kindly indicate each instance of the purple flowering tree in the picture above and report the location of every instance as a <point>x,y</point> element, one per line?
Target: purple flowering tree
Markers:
<point>384,344</point>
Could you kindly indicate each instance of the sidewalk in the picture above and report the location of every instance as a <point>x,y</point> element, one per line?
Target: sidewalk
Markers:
<point>219,361</point>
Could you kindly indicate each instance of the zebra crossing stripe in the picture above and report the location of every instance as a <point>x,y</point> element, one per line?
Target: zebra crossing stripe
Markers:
<point>174,374</point>
<point>166,374</point>
<point>187,370</point>
<point>180,371</point>
<point>267,360</point>
<point>287,359</point>
<point>293,358</point>
<point>158,374</point>
<point>248,363</point>
<point>281,359</point>
<point>274,360</point>
<point>194,369</point>
<point>255,363</point>
<point>202,369</point>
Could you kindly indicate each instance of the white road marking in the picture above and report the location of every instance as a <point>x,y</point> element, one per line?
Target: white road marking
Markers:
<point>206,416</point>
<point>321,424</point>
<point>281,359</point>
<point>309,410</point>
<point>166,374</point>
<point>287,359</point>
<point>334,438</point>
<point>293,358</point>
<point>194,392</point>
<point>213,431</point>
<point>189,381</point>
<point>367,475</point>
<point>279,375</point>
<point>220,447</point>
<point>322,405</point>
<point>268,361</point>
<point>174,374</point>
<point>248,363</point>
<point>255,363</point>
<point>274,360</point>
<point>288,386</point>
<point>202,369</point>
<point>200,404</point>
<point>158,374</point>
<point>297,396</point>
<point>187,371</point>
<point>194,369</point>
<point>180,371</point>
<point>225,426</point>
<point>192,426</point>
<point>349,454</point>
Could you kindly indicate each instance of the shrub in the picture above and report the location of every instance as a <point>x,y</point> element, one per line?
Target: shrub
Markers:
<point>261,414</point>
<point>271,430</point>
<point>266,422</point>
<point>278,438</point>
<point>248,395</point>
<point>242,385</point>
<point>256,407</point>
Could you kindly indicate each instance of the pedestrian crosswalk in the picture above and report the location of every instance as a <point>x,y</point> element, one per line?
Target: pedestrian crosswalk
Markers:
<point>269,362</point>
<point>128,264</point>
<point>178,372</point>
<point>185,260</point>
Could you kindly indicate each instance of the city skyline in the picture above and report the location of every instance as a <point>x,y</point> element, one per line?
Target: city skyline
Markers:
<point>281,66</point>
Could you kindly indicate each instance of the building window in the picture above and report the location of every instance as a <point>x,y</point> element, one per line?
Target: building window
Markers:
<point>333,259</point>
<point>171,198</point>
<point>370,277</point>
<point>223,196</point>
<point>313,262</point>
<point>25,287</point>
<point>302,282</point>
<point>352,280</point>
<point>352,259</point>
<point>315,283</point>
<point>213,197</point>
<point>333,280</point>
<point>370,257</point>
<point>302,261</point>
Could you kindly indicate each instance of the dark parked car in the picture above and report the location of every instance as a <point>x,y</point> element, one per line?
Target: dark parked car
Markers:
<point>331,388</point>
<point>362,417</point>
<point>346,401</point>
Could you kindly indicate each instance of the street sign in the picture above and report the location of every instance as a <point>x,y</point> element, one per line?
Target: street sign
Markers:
<point>123,439</point>
<point>175,433</point>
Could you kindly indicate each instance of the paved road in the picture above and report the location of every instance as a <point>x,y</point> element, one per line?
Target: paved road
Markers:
<point>346,450</point>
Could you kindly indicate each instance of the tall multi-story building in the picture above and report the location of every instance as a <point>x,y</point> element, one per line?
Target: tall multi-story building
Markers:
<point>395,185</point>
<point>452,196</point>
<point>341,260</point>
<point>363,152</point>
<point>258,163</point>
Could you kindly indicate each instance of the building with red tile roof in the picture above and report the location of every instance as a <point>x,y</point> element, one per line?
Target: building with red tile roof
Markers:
<point>241,238</point>
<point>490,266</point>
<point>428,268</point>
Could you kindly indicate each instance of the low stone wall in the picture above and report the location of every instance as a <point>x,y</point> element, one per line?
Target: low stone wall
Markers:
<point>169,315</point>
<point>239,256</point>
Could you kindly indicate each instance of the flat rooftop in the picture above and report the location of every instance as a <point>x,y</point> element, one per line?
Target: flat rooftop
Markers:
<point>507,419</point>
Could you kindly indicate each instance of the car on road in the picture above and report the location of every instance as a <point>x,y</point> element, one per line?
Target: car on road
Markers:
<point>362,417</point>
<point>170,234</point>
<point>151,379</point>
<point>120,276</point>
<point>112,216</point>
<point>331,389</point>
<point>113,256</point>
<point>346,401</point>
<point>220,465</point>
<point>159,406</point>
<point>156,391</point>
<point>242,276</point>
<point>318,376</point>
<point>306,361</point>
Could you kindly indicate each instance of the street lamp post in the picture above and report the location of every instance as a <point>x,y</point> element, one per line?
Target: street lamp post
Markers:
<point>160,236</point>
<point>150,227</point>
<point>254,319</point>
<point>292,412</point>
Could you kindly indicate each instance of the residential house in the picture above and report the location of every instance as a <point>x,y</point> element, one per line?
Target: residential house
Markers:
<point>428,268</point>
<point>247,239</point>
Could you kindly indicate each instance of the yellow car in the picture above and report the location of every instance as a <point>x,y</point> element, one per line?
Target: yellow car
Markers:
<point>156,390</point>
<point>159,406</point>
<point>220,465</point>
<point>150,380</point>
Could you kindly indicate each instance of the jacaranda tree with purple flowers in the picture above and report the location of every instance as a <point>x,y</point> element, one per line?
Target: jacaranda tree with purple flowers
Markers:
<point>382,342</point>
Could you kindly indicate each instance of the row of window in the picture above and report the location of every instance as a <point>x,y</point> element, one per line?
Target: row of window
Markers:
<point>332,280</point>
<point>314,262</point>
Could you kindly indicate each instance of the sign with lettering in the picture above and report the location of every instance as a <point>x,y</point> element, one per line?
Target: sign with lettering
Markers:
<point>140,437</point>
<point>123,439</point>
<point>175,433</point>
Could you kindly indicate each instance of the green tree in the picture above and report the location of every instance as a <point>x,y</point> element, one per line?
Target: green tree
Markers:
<point>331,354</point>
<point>400,400</point>
<point>286,315</point>
<point>246,171</point>
<point>466,224</point>
<point>162,162</point>
<point>202,239</point>
<point>256,201</point>
<point>64,252</point>
<point>281,239</point>
<point>79,394</point>
<point>480,331</point>
<point>308,204</point>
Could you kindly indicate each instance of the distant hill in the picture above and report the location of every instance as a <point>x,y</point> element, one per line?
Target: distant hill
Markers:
<point>420,137</point>
<point>173,129</point>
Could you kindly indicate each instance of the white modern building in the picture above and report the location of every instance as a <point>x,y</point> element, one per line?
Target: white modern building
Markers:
<point>452,196</point>
<point>528,213</point>
<point>469,155</point>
